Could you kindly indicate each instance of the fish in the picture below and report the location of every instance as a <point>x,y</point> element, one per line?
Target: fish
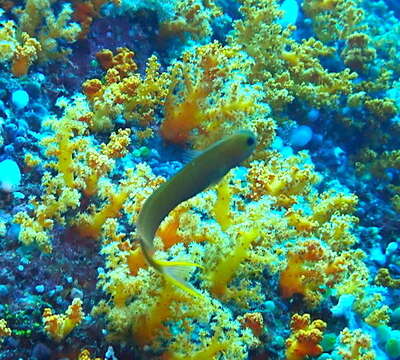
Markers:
<point>204,170</point>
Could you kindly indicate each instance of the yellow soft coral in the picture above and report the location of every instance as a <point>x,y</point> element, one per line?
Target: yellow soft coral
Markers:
<point>224,271</point>
<point>39,21</point>
<point>334,19</point>
<point>20,48</point>
<point>287,69</point>
<point>300,277</point>
<point>85,355</point>
<point>379,316</point>
<point>383,278</point>
<point>209,94</point>
<point>52,206</point>
<point>36,35</point>
<point>329,203</point>
<point>8,41</point>
<point>191,17</point>
<point>356,345</point>
<point>357,54</point>
<point>78,166</point>
<point>59,326</point>
<point>305,338</point>
<point>4,329</point>
<point>151,324</point>
<point>241,238</point>
<point>253,321</point>
<point>383,109</point>
<point>25,54</point>
<point>283,181</point>
<point>123,91</point>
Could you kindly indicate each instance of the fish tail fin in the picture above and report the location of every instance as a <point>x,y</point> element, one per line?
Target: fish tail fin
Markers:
<point>176,272</point>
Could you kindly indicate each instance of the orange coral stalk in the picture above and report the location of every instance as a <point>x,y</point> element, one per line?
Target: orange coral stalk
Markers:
<point>92,227</point>
<point>168,231</point>
<point>152,323</point>
<point>136,261</point>
<point>297,278</point>
<point>181,119</point>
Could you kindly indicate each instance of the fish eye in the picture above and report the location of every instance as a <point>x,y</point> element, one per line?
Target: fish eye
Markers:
<point>250,141</point>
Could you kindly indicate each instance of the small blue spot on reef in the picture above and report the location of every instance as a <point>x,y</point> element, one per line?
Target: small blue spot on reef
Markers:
<point>39,289</point>
<point>3,290</point>
<point>301,136</point>
<point>10,175</point>
<point>20,99</point>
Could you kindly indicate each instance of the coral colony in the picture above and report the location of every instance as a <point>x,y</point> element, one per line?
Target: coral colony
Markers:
<point>199,179</point>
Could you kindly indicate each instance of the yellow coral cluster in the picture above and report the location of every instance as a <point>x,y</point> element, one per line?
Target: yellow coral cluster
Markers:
<point>79,167</point>
<point>151,305</point>
<point>356,345</point>
<point>305,338</point>
<point>4,329</point>
<point>334,19</point>
<point>286,69</point>
<point>357,55</point>
<point>206,93</point>
<point>383,278</point>
<point>37,35</point>
<point>20,51</point>
<point>191,17</point>
<point>38,20</point>
<point>268,216</point>
<point>369,162</point>
<point>210,96</point>
<point>85,355</point>
<point>59,326</point>
<point>234,246</point>
<point>123,92</point>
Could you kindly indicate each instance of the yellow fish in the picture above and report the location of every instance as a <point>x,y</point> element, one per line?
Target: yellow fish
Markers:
<point>204,170</point>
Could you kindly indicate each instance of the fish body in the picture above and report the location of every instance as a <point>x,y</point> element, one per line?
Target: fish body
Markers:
<point>204,170</point>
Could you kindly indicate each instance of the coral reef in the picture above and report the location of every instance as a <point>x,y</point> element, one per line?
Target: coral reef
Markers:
<point>297,249</point>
